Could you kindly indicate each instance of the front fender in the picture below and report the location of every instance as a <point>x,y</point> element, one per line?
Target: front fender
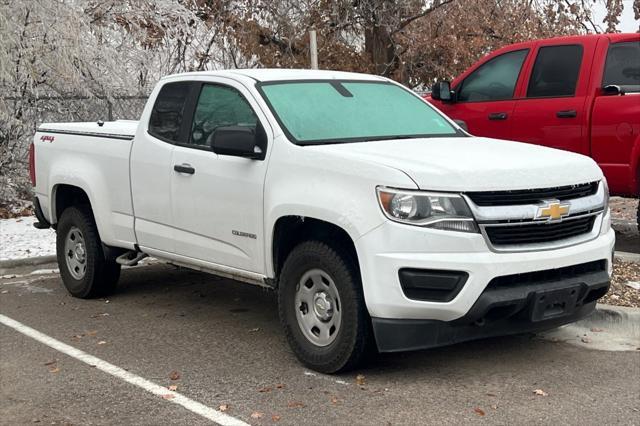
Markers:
<point>311,183</point>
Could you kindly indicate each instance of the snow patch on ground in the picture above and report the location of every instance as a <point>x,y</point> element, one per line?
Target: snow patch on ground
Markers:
<point>20,240</point>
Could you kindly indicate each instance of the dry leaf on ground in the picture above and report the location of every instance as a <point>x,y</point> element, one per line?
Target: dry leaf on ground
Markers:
<point>173,388</point>
<point>174,375</point>
<point>264,389</point>
<point>256,415</point>
<point>223,407</point>
<point>360,380</point>
<point>479,411</point>
<point>275,418</point>
<point>168,396</point>
<point>295,404</point>
<point>540,392</point>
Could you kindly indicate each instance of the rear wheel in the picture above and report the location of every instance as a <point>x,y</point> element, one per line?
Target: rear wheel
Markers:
<point>322,309</point>
<point>85,271</point>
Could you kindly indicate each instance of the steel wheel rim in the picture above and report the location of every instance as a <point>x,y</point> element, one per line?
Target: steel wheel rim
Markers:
<point>75,253</point>
<point>318,307</point>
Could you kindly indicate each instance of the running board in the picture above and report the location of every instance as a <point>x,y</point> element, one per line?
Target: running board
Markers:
<point>131,258</point>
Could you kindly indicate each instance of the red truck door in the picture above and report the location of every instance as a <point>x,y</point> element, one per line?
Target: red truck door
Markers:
<point>615,123</point>
<point>484,96</point>
<point>552,107</point>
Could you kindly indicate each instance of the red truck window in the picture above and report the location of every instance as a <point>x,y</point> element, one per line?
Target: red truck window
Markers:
<point>623,66</point>
<point>555,72</point>
<point>494,80</point>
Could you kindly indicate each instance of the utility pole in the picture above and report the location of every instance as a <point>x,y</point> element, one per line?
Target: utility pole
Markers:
<point>313,49</point>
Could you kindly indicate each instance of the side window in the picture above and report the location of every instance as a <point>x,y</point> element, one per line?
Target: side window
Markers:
<point>219,106</point>
<point>623,66</point>
<point>166,116</point>
<point>494,80</point>
<point>555,72</point>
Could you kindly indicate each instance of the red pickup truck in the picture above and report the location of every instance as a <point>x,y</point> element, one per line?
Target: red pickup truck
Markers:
<point>578,93</point>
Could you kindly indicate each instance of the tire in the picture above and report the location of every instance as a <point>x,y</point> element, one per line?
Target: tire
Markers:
<point>85,271</point>
<point>335,293</point>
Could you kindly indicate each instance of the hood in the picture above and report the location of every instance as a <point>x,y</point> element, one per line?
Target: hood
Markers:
<point>473,164</point>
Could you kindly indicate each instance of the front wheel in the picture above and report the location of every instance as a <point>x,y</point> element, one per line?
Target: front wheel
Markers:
<point>85,271</point>
<point>322,309</point>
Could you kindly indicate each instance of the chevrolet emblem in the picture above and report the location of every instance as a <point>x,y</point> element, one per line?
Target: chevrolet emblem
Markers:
<point>553,210</point>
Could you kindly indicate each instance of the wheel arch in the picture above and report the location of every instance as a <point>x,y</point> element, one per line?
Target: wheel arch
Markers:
<point>64,196</point>
<point>291,230</point>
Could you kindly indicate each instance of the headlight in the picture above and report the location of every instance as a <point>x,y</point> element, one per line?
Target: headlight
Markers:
<point>429,209</point>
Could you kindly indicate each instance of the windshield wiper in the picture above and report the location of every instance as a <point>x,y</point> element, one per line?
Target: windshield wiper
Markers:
<point>387,138</point>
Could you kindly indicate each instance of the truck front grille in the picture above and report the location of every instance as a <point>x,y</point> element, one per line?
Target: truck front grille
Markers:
<point>544,232</point>
<point>532,196</point>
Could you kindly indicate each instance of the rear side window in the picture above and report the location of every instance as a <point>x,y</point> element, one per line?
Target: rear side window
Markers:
<point>555,72</point>
<point>168,111</point>
<point>494,80</point>
<point>623,66</point>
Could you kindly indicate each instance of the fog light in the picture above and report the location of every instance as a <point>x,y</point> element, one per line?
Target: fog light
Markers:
<point>431,285</point>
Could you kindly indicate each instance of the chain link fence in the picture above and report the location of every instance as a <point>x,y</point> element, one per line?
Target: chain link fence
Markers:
<point>20,117</point>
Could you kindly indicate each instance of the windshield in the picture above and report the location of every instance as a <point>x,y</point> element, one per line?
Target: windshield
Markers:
<point>334,111</point>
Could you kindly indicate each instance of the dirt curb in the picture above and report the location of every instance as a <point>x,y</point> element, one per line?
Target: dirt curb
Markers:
<point>29,261</point>
<point>627,257</point>
<point>37,260</point>
<point>608,328</point>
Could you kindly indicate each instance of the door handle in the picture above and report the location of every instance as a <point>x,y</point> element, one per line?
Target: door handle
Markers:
<point>498,116</point>
<point>184,168</point>
<point>571,113</point>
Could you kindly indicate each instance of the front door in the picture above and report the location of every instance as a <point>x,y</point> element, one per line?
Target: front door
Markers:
<point>218,199</point>
<point>484,99</point>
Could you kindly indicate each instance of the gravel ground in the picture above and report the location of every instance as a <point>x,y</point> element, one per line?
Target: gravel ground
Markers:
<point>623,209</point>
<point>620,293</point>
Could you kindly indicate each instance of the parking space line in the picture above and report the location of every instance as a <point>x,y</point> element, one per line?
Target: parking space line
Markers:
<point>167,395</point>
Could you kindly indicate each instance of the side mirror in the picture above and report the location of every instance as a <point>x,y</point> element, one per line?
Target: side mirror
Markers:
<point>236,141</point>
<point>441,91</point>
<point>612,90</point>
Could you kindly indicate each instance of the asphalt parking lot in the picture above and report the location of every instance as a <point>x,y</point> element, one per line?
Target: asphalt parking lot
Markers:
<point>219,343</point>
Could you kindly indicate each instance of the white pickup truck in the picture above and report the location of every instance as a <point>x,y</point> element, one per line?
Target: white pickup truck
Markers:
<point>374,217</point>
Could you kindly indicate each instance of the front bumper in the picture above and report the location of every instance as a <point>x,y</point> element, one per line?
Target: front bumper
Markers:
<point>392,246</point>
<point>401,323</point>
<point>500,311</point>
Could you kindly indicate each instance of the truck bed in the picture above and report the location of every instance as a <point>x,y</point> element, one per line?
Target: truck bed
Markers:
<point>94,158</point>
